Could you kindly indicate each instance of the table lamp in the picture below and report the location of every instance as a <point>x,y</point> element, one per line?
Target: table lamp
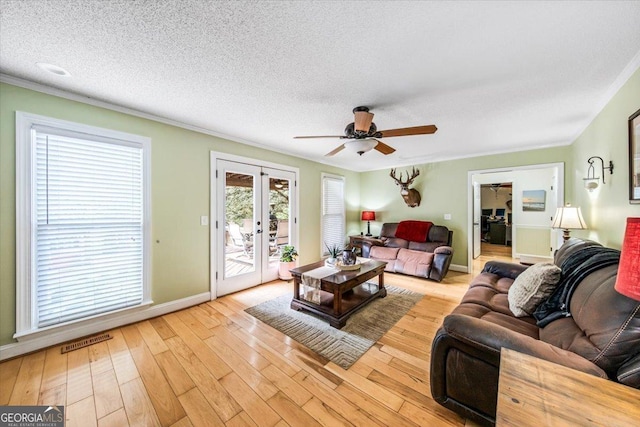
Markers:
<point>628,279</point>
<point>368,216</point>
<point>568,217</point>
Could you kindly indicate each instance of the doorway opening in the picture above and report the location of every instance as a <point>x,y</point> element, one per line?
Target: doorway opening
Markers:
<point>511,220</point>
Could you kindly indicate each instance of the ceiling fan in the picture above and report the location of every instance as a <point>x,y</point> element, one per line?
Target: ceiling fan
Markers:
<point>363,134</point>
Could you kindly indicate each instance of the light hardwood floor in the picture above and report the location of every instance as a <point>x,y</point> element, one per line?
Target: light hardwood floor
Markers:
<point>215,365</point>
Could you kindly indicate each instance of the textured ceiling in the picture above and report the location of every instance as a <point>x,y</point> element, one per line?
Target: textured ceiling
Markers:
<point>493,76</point>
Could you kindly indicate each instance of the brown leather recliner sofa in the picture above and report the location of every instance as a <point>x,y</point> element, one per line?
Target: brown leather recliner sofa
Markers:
<point>428,258</point>
<point>601,336</point>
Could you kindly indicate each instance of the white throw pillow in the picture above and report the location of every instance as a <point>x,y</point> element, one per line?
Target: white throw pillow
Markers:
<point>533,286</point>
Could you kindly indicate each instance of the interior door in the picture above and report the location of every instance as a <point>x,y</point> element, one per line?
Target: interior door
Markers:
<point>255,220</point>
<point>476,220</point>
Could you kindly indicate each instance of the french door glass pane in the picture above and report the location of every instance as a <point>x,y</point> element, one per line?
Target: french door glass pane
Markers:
<point>279,214</point>
<point>239,220</point>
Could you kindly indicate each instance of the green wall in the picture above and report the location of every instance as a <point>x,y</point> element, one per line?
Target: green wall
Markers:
<point>180,195</point>
<point>605,209</point>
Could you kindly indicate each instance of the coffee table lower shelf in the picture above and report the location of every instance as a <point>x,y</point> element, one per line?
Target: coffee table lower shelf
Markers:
<point>352,300</point>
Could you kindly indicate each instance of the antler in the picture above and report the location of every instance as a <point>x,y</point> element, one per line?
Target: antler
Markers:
<point>414,174</point>
<point>393,175</point>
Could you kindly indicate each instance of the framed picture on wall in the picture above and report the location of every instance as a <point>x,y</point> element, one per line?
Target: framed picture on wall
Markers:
<point>634,158</point>
<point>534,200</point>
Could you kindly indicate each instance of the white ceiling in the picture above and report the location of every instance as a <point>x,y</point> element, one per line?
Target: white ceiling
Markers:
<point>493,76</point>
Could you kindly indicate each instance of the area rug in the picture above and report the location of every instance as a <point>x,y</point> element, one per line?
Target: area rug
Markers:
<point>342,346</point>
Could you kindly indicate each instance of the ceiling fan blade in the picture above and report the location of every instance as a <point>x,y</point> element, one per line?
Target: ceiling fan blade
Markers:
<point>417,130</point>
<point>363,121</point>
<point>335,151</point>
<point>318,136</point>
<point>384,148</point>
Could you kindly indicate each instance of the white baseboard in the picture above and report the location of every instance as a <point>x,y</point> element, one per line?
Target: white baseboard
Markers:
<point>98,325</point>
<point>459,268</point>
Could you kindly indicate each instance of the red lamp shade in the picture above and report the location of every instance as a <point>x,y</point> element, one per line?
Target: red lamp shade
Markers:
<point>628,280</point>
<point>368,216</point>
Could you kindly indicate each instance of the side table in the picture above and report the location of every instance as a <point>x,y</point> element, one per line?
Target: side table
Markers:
<point>536,392</point>
<point>356,241</point>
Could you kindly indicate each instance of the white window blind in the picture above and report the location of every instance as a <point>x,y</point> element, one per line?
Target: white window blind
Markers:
<point>333,215</point>
<point>89,227</point>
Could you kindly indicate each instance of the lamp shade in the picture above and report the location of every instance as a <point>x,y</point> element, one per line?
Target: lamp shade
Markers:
<point>368,216</point>
<point>569,217</point>
<point>628,280</point>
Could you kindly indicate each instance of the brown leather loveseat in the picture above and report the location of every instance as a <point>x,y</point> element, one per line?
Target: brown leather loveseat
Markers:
<point>600,336</point>
<point>425,255</point>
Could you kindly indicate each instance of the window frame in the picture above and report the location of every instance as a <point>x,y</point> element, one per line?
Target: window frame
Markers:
<point>26,304</point>
<point>328,176</point>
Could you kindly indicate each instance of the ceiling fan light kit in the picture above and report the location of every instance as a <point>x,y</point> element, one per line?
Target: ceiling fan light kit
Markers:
<point>361,146</point>
<point>363,134</point>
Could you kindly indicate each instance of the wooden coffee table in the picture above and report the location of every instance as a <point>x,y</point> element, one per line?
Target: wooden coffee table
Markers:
<point>342,293</point>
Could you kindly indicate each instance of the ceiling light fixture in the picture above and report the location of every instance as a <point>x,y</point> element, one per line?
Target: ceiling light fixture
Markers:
<point>361,146</point>
<point>591,181</point>
<point>54,69</point>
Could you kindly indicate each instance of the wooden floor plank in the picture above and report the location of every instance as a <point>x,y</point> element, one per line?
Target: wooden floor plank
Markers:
<point>248,399</point>
<point>203,317</point>
<point>327,395</point>
<point>375,409</point>
<point>81,413</point>
<point>151,337</point>
<point>219,398</point>
<point>114,419</point>
<point>322,413</point>
<point>208,357</point>
<point>162,327</point>
<point>288,386</point>
<point>8,375</point>
<point>164,401</point>
<point>54,373</point>
<point>248,373</point>
<point>241,420</point>
<point>121,359</point>
<point>140,411</point>
<point>242,349</point>
<point>100,357</point>
<point>194,325</point>
<point>290,412</point>
<point>383,395</point>
<point>106,393</point>
<point>26,389</point>
<point>178,378</point>
<point>79,382</point>
<point>268,352</point>
<point>200,413</point>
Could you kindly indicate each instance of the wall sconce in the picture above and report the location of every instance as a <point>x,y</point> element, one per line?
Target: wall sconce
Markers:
<point>591,181</point>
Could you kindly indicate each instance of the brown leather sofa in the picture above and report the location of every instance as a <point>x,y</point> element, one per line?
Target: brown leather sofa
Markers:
<point>429,259</point>
<point>601,336</point>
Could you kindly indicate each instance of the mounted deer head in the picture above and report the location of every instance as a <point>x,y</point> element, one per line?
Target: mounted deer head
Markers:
<point>411,196</point>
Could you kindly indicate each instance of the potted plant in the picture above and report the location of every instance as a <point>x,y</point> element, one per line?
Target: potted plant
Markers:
<point>334,252</point>
<point>288,257</point>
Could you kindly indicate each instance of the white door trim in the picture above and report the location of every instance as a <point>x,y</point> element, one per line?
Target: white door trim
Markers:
<point>471,173</point>
<point>213,243</point>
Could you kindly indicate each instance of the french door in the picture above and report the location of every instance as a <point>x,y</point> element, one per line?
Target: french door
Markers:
<point>254,221</point>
